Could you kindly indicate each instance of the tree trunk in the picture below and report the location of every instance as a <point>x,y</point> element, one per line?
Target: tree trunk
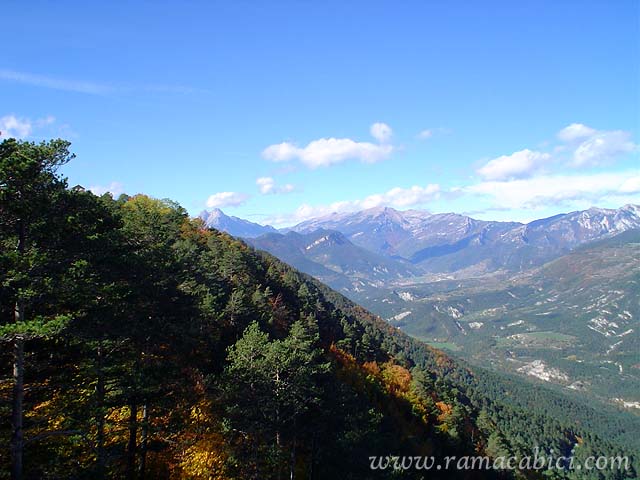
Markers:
<point>256,466</point>
<point>278,439</point>
<point>17,438</point>
<point>278,442</point>
<point>144,434</point>
<point>293,458</point>
<point>100,394</point>
<point>312,457</point>
<point>279,445</point>
<point>131,448</point>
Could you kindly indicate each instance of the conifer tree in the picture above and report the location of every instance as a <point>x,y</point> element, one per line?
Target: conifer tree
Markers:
<point>30,193</point>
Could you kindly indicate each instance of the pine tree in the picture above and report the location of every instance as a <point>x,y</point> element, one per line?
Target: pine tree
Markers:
<point>30,189</point>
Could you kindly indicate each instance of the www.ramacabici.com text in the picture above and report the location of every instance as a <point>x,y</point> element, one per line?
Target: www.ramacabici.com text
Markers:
<point>538,461</point>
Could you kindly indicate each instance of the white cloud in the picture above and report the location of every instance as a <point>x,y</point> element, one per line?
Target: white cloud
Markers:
<point>603,147</point>
<point>586,146</point>
<point>631,185</point>
<point>55,83</point>
<point>267,185</point>
<point>432,132</point>
<point>226,199</point>
<point>381,132</point>
<point>593,147</point>
<point>552,190</point>
<point>575,131</point>
<point>517,165</point>
<point>114,188</point>
<point>281,152</point>
<point>402,197</point>
<point>92,88</point>
<point>14,127</point>
<point>45,121</point>
<point>329,151</point>
<point>396,197</point>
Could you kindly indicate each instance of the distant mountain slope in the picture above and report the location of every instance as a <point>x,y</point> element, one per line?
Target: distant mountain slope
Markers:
<point>235,226</point>
<point>331,257</point>
<point>439,246</point>
<point>456,244</point>
<point>380,230</point>
<point>574,322</point>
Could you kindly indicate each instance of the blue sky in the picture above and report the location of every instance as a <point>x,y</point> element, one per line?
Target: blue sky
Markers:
<point>277,111</point>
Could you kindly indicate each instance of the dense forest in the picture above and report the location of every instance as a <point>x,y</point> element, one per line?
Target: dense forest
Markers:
<point>136,343</point>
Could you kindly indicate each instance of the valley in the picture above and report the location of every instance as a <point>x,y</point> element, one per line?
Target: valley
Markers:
<point>554,301</point>
<point>572,323</point>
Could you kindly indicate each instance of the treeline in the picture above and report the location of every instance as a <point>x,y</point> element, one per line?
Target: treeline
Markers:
<point>138,344</point>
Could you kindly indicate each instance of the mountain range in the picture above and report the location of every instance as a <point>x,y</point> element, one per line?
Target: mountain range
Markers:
<point>555,300</point>
<point>452,243</point>
<point>398,245</point>
<point>235,226</point>
<point>330,256</point>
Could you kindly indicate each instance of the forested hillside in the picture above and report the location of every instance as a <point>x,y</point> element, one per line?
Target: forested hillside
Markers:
<point>572,323</point>
<point>137,343</point>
